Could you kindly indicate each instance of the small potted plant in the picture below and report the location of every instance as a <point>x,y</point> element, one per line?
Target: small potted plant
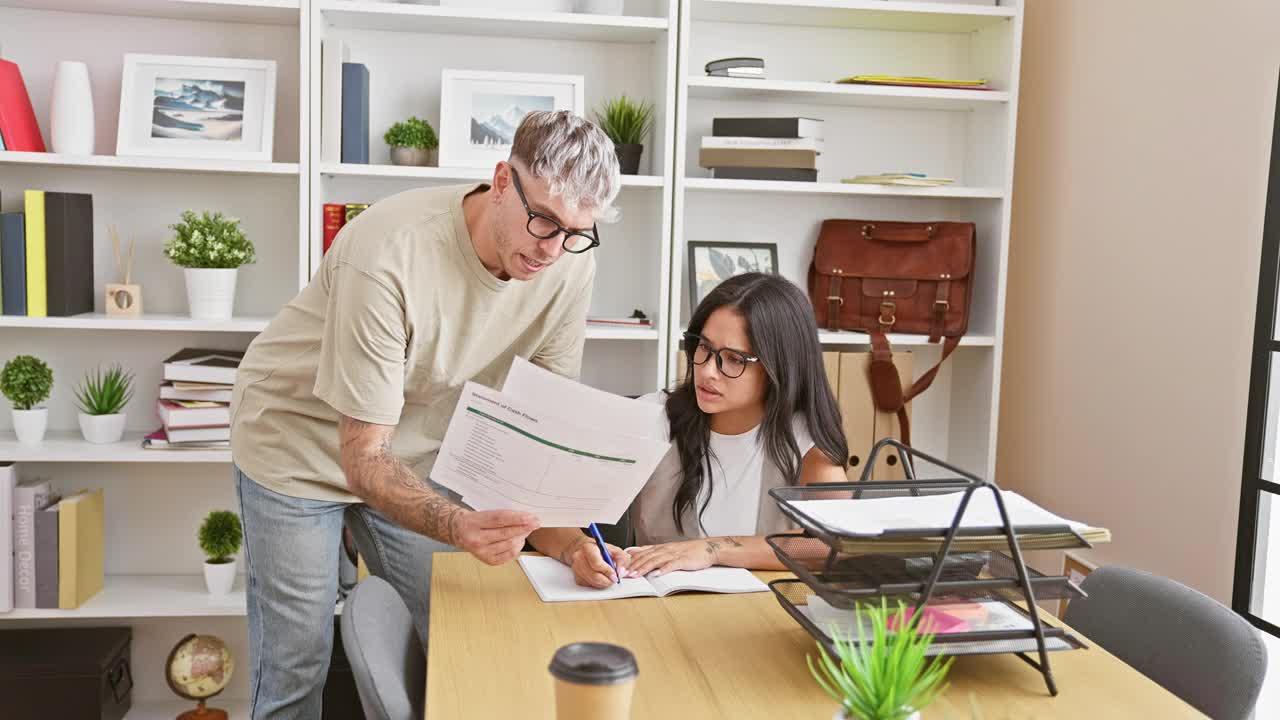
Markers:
<point>26,381</point>
<point>627,123</point>
<point>220,538</point>
<point>102,397</point>
<point>210,247</point>
<point>885,677</point>
<point>413,142</point>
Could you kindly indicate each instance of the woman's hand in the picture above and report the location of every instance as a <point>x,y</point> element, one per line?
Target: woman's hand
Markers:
<point>686,555</point>
<point>589,567</point>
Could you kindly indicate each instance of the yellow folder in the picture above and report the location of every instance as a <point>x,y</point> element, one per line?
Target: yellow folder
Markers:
<point>858,409</point>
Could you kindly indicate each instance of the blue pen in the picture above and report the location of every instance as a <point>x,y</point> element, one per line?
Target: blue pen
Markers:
<point>604,551</point>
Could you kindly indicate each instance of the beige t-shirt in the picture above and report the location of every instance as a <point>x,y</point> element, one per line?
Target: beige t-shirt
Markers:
<point>399,316</point>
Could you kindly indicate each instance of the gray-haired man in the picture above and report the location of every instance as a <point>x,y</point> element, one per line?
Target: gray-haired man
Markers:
<point>341,403</point>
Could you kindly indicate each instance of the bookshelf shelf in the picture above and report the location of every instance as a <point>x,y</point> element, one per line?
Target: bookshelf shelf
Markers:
<point>259,12</point>
<point>609,332</point>
<point>466,21</point>
<point>449,174</point>
<point>157,322</point>
<point>836,188</point>
<point>181,165</point>
<point>857,14</point>
<point>69,446</point>
<point>831,93</point>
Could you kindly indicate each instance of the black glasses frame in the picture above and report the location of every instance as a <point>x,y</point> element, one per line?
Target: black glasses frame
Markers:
<point>693,340</point>
<point>593,238</point>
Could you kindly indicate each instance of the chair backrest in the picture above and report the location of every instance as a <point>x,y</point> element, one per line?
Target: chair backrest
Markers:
<point>1189,643</point>
<point>384,651</point>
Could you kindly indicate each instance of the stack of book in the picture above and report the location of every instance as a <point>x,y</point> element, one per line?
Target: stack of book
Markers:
<point>763,148</point>
<point>195,400</point>
<point>51,545</point>
<point>46,255</point>
<point>736,67</point>
<point>336,215</point>
<point>903,179</point>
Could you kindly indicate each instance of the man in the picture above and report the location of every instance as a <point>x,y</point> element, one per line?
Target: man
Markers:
<point>341,403</point>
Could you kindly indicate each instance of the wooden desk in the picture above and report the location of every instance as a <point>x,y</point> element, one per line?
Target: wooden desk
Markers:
<point>715,656</point>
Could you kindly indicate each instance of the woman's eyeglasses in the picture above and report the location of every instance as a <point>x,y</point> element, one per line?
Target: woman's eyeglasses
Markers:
<point>544,227</point>
<point>731,363</point>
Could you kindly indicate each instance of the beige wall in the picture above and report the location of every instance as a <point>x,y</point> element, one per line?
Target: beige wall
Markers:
<point>1143,137</point>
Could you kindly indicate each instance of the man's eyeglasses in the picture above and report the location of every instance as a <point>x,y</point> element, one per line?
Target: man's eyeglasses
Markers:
<point>731,363</point>
<point>544,227</point>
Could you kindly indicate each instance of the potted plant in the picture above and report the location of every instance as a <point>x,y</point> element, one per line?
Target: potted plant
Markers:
<point>627,123</point>
<point>220,538</point>
<point>101,398</point>
<point>26,381</point>
<point>413,142</point>
<point>887,677</point>
<point>210,247</point>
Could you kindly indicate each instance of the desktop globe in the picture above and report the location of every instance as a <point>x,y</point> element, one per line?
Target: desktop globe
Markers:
<point>198,668</point>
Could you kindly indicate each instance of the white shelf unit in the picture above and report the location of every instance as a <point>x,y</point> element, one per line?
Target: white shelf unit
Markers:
<point>632,54</point>
<point>967,135</point>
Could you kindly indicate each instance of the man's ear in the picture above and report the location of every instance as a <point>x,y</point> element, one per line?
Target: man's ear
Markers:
<point>501,179</point>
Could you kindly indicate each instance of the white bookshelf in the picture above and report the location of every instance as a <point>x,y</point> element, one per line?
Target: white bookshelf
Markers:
<point>67,446</point>
<point>349,15</point>
<point>833,93</point>
<point>838,188</point>
<point>448,174</point>
<point>257,12</point>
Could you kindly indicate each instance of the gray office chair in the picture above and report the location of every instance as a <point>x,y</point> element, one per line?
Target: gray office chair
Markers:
<point>1187,642</point>
<point>384,651</point>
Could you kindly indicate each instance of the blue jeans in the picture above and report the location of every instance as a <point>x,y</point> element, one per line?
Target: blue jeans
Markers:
<point>291,553</point>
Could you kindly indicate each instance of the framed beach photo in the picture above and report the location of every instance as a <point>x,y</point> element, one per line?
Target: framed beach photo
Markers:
<point>711,263</point>
<point>480,111</point>
<point>197,107</point>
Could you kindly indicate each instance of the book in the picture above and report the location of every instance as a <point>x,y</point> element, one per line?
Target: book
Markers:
<point>553,581</point>
<point>906,179</point>
<point>182,386</point>
<point>47,554</point>
<point>181,391</point>
<point>80,548</point>
<point>711,142</point>
<point>159,440</point>
<point>17,117</point>
<point>909,81</point>
<point>631,321</point>
<point>204,366</point>
<point>37,293</point>
<point>714,158</point>
<point>8,481</point>
<point>13,263</point>
<point>355,113</point>
<point>68,219</point>
<point>28,497</point>
<point>777,127</point>
<point>352,210</point>
<point>335,216</point>
<point>192,413</point>
<point>756,173</point>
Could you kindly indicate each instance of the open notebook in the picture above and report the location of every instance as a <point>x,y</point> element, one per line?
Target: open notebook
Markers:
<point>553,580</point>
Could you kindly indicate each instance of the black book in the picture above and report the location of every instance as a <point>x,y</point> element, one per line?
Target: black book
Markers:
<point>771,127</point>
<point>68,219</point>
<point>13,263</point>
<point>765,173</point>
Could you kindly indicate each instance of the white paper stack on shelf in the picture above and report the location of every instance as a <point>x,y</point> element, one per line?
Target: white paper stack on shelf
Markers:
<point>568,453</point>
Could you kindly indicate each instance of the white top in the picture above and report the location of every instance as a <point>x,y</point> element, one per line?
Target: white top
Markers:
<point>735,473</point>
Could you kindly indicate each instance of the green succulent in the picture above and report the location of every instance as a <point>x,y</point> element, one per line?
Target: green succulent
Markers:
<point>220,536</point>
<point>105,393</point>
<point>412,133</point>
<point>26,381</point>
<point>625,121</point>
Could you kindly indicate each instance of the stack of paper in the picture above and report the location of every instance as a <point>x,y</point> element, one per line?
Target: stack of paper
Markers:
<point>914,81</point>
<point>906,179</point>
<point>568,453</point>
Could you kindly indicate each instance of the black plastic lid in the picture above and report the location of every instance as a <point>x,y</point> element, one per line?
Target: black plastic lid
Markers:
<point>594,663</point>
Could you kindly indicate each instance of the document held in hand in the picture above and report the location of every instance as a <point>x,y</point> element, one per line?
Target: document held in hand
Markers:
<point>570,454</point>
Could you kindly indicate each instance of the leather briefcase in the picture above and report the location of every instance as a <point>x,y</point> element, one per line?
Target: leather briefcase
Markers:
<point>882,277</point>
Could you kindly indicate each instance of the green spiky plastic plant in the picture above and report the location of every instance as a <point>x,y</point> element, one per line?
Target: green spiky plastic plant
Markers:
<point>105,393</point>
<point>625,121</point>
<point>220,536</point>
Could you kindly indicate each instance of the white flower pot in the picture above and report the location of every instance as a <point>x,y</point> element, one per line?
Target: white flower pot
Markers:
<point>841,716</point>
<point>30,425</point>
<point>71,110</point>
<point>211,293</point>
<point>101,429</point>
<point>600,7</point>
<point>219,577</point>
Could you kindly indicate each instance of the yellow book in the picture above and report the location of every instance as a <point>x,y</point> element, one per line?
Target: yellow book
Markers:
<point>80,548</point>
<point>37,293</point>
<point>911,80</point>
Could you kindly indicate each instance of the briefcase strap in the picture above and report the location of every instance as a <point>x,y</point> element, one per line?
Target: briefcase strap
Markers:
<point>886,385</point>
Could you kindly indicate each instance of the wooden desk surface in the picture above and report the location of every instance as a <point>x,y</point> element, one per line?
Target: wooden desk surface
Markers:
<point>715,656</point>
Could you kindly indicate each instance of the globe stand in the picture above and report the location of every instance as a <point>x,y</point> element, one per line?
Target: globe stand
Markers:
<point>203,713</point>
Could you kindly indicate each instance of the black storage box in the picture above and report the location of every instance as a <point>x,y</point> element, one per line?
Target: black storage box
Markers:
<point>65,673</point>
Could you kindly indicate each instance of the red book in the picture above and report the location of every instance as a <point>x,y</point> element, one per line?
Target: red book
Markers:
<point>17,118</point>
<point>335,216</point>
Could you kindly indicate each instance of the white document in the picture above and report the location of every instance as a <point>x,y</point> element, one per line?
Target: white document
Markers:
<point>873,516</point>
<point>553,581</point>
<point>505,453</point>
<point>587,406</point>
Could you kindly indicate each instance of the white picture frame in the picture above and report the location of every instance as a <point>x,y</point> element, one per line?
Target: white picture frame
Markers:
<point>179,106</point>
<point>466,94</point>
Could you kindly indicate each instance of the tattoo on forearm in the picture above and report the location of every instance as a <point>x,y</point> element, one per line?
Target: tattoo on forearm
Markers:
<point>713,549</point>
<point>733,541</point>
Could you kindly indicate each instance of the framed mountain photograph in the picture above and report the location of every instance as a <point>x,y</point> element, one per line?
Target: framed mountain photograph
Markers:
<point>480,111</point>
<point>197,107</point>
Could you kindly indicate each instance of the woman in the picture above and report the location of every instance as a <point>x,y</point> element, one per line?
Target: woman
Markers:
<point>755,412</point>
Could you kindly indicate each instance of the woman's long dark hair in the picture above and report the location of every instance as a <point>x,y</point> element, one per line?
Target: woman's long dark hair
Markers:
<point>784,336</point>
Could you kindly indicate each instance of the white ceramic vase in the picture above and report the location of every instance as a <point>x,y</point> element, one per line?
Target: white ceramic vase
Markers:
<point>211,292</point>
<point>71,110</point>
<point>219,577</point>
<point>29,425</point>
<point>102,429</point>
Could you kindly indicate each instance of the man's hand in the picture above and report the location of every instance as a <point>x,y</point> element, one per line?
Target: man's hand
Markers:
<point>589,567</point>
<point>493,536</point>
